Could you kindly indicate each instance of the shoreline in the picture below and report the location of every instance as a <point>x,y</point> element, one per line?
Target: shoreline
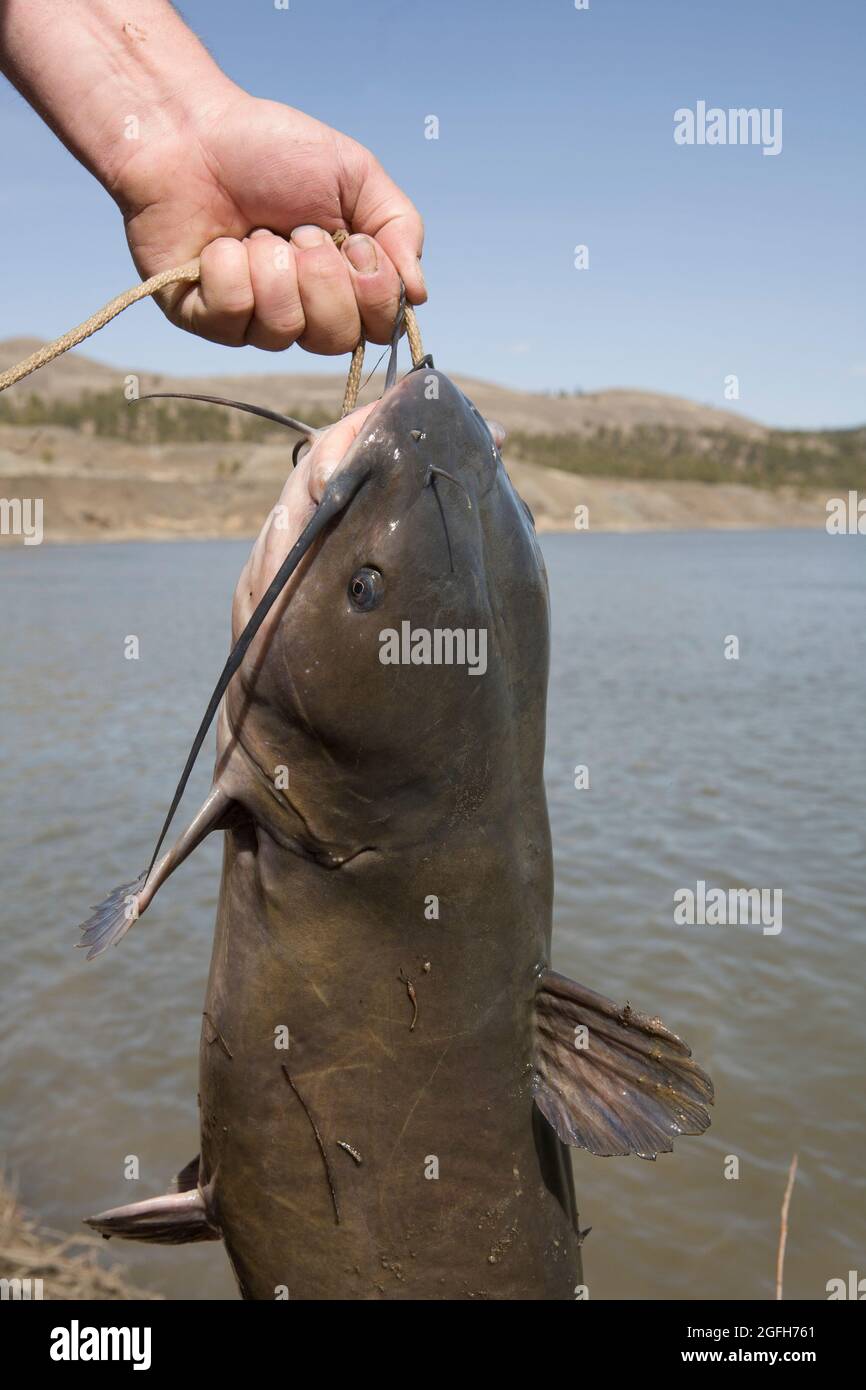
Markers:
<point>41,1263</point>
<point>171,538</point>
<point>111,492</point>
<point>181,473</point>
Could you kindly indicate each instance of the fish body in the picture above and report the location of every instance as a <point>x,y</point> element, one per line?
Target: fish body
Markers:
<point>390,1072</point>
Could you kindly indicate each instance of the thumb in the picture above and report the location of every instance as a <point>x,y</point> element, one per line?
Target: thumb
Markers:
<point>383,211</point>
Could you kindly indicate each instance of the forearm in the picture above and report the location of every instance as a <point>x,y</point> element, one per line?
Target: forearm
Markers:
<point>108,74</point>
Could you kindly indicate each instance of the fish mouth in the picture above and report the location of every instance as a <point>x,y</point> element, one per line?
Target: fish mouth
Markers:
<point>306,846</point>
<point>326,858</point>
<point>285,823</point>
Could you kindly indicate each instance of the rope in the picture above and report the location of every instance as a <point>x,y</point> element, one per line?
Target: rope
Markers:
<point>189,272</point>
<point>353,380</point>
<point>413,336</point>
<point>356,367</point>
<point>47,354</point>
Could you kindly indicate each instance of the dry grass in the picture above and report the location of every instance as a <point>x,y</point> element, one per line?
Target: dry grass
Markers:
<point>71,1267</point>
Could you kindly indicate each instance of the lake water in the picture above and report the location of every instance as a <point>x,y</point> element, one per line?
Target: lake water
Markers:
<point>746,773</point>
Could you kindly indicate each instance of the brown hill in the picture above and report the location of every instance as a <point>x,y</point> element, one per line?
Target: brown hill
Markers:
<point>637,460</point>
<point>534,412</point>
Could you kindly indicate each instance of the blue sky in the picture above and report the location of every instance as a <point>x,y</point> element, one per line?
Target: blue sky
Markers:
<point>556,128</point>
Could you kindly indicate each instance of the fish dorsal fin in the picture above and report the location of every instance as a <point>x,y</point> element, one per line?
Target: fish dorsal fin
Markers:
<point>187,1178</point>
<point>610,1079</point>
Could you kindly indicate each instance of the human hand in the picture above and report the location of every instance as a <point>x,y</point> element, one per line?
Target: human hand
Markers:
<point>210,171</point>
<point>234,191</point>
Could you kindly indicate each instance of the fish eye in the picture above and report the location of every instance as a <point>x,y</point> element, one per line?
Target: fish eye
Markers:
<point>366,589</point>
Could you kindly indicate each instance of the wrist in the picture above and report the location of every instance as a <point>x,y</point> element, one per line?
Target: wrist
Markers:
<point>159,121</point>
<point>160,92</point>
<point>112,80</point>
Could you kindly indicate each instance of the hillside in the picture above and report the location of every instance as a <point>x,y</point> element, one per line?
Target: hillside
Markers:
<point>109,470</point>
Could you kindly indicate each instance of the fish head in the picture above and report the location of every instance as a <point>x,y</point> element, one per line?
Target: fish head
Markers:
<point>414,630</point>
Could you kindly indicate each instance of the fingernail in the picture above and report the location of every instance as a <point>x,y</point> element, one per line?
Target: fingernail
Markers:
<point>421,275</point>
<point>259,231</point>
<point>307,237</point>
<point>361,252</point>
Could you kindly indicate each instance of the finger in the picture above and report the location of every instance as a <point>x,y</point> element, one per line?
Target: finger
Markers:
<point>221,305</point>
<point>333,324</point>
<point>278,320</point>
<point>398,239</point>
<point>376,286</point>
<point>332,447</point>
<point>385,213</point>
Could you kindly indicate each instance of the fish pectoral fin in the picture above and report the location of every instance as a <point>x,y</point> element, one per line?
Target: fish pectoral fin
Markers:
<point>112,918</point>
<point>178,1218</point>
<point>612,1080</point>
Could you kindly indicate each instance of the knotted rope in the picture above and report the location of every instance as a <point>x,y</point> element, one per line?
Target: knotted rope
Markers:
<point>189,272</point>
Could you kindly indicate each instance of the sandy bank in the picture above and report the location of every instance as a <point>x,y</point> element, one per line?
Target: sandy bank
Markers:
<point>95,489</point>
